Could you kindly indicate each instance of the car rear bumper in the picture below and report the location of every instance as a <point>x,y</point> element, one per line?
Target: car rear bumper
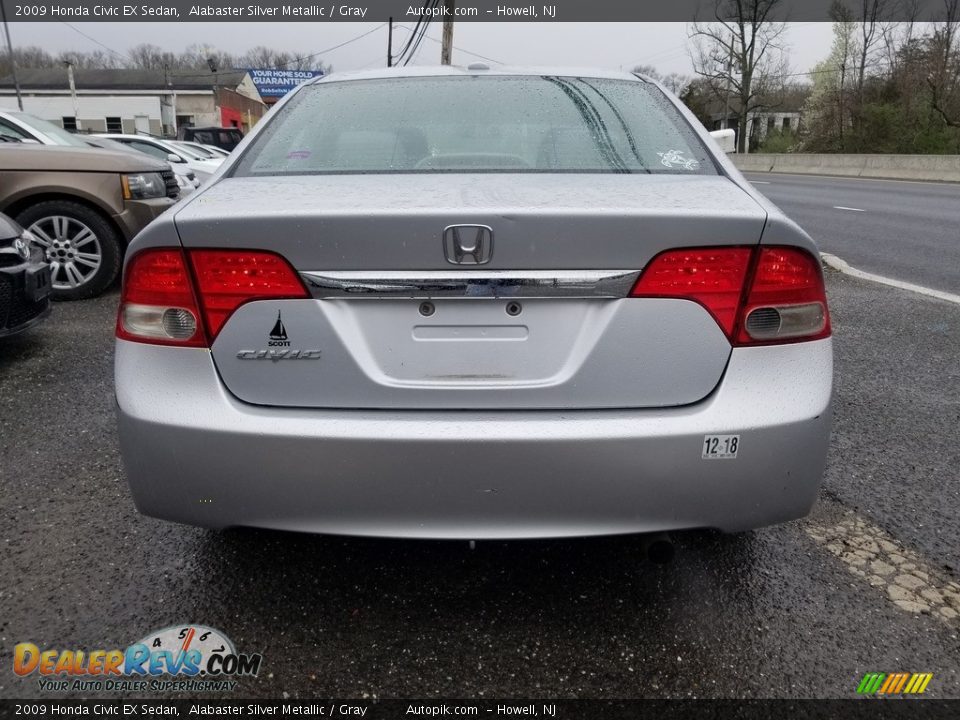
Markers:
<point>194,454</point>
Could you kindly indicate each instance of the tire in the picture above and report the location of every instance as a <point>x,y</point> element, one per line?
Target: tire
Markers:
<point>83,248</point>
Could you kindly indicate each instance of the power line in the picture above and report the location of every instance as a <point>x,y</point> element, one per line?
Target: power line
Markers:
<point>660,56</point>
<point>781,76</point>
<point>331,49</point>
<point>416,45</point>
<point>671,53</point>
<point>305,57</point>
<point>394,59</point>
<point>278,66</point>
<point>416,48</point>
<point>416,35</point>
<point>315,54</point>
<point>375,62</point>
<point>460,49</point>
<point>419,41</point>
<point>94,40</point>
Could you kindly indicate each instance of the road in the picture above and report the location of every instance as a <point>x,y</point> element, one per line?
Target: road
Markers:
<point>906,230</point>
<point>867,583</point>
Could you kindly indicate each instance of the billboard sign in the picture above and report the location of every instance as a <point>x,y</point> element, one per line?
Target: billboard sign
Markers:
<point>277,83</point>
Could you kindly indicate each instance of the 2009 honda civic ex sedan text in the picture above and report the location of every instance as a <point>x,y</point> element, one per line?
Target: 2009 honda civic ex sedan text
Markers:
<point>468,303</point>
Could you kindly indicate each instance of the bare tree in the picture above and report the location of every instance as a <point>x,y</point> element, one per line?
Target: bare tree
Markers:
<point>742,52</point>
<point>96,59</point>
<point>29,56</point>
<point>194,59</point>
<point>101,59</point>
<point>264,57</point>
<point>943,77</point>
<point>870,35</point>
<point>841,61</point>
<point>674,82</point>
<point>150,57</point>
<point>897,35</point>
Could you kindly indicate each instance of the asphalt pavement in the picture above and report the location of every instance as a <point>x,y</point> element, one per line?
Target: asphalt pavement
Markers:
<point>905,230</point>
<point>868,583</point>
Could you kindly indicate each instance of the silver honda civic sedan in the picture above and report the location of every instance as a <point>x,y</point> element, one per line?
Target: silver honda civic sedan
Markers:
<point>475,303</point>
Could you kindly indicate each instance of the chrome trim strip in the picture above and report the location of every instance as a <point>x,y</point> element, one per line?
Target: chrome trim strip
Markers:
<point>470,284</point>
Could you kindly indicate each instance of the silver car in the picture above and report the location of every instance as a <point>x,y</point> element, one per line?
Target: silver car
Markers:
<point>475,303</point>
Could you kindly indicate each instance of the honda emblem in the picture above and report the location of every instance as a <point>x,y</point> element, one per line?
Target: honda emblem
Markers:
<point>468,244</point>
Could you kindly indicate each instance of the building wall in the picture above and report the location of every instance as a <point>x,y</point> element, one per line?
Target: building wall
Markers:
<point>761,123</point>
<point>146,125</point>
<point>159,112</point>
<point>238,110</point>
<point>200,108</point>
<point>781,121</point>
<point>93,110</point>
<point>232,118</point>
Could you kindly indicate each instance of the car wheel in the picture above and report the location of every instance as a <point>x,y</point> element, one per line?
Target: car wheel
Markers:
<point>83,249</point>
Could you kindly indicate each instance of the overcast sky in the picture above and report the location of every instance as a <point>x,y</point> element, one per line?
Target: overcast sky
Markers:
<point>609,45</point>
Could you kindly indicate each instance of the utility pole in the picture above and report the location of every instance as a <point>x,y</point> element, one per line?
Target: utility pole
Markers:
<point>390,42</point>
<point>446,49</point>
<point>173,100</point>
<point>73,93</point>
<point>13,62</point>
<point>217,108</point>
<point>726,103</point>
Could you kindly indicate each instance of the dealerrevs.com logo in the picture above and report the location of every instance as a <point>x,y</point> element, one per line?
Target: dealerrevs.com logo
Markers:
<point>187,658</point>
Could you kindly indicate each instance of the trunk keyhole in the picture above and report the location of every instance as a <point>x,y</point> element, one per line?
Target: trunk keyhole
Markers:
<point>427,309</point>
<point>514,309</point>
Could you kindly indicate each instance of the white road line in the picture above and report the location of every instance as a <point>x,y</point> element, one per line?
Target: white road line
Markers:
<point>842,265</point>
<point>760,182</point>
<point>841,207</point>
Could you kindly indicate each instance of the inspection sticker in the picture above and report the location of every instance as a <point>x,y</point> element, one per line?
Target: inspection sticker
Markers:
<point>720,447</point>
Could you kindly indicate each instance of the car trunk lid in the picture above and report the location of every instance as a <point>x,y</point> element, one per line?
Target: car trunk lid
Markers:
<point>543,322</point>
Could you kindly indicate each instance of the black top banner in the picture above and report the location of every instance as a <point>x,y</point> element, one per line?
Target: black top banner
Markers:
<point>494,709</point>
<point>457,10</point>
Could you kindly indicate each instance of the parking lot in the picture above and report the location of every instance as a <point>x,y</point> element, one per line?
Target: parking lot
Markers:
<point>869,582</point>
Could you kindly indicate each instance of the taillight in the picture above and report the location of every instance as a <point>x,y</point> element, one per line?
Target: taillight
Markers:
<point>226,279</point>
<point>757,295</point>
<point>158,303</point>
<point>786,300</point>
<point>713,277</point>
<point>175,298</point>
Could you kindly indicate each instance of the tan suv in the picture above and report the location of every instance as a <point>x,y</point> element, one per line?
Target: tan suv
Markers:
<point>83,206</point>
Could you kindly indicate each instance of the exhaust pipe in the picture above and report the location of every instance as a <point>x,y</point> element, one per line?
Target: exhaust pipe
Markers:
<point>658,548</point>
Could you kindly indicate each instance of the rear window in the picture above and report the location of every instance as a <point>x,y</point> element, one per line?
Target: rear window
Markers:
<point>506,124</point>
